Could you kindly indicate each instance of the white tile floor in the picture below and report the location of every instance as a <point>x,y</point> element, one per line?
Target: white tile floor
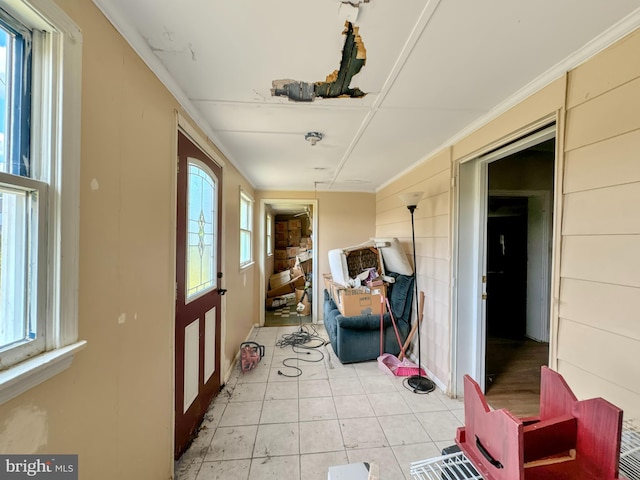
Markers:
<point>266,426</point>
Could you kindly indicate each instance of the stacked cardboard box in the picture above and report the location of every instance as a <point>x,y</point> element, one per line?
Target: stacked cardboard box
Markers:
<point>282,235</point>
<point>294,226</point>
<point>279,289</point>
<point>284,286</point>
<point>295,235</point>
<point>289,245</point>
<point>281,239</point>
<point>356,301</point>
<point>279,278</point>
<point>306,243</point>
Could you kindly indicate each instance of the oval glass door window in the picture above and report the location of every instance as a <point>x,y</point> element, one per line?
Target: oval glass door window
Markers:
<point>201,230</point>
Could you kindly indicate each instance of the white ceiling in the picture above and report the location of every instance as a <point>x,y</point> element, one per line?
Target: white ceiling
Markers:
<point>433,69</point>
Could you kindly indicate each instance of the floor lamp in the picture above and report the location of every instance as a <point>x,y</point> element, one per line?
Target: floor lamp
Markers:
<point>419,383</point>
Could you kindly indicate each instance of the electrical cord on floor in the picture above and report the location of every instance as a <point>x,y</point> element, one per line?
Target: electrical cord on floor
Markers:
<point>328,356</point>
<point>303,340</point>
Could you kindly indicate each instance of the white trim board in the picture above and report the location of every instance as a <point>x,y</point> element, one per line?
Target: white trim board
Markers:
<point>468,257</point>
<point>315,287</point>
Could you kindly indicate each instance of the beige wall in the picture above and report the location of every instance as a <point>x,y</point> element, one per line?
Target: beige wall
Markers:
<point>114,405</point>
<point>599,331</point>
<point>241,284</point>
<point>345,219</point>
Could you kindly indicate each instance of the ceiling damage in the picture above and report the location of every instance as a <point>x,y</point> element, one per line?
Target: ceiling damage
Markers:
<point>337,83</point>
<point>432,72</point>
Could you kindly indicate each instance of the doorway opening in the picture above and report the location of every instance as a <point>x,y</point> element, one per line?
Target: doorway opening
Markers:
<point>504,270</point>
<point>289,262</point>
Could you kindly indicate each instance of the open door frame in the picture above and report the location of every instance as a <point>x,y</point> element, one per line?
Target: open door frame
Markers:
<point>263,251</point>
<point>468,344</point>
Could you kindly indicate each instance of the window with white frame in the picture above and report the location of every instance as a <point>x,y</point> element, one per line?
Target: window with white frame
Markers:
<point>269,235</point>
<point>246,229</point>
<point>40,66</point>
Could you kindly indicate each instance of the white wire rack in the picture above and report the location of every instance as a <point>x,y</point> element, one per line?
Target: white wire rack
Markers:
<point>630,452</point>
<point>457,466</point>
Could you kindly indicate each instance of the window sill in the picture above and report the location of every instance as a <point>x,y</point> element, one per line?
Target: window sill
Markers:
<point>20,378</point>
<point>247,265</point>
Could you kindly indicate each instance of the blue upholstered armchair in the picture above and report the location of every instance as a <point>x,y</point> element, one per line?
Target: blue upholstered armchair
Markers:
<point>357,339</point>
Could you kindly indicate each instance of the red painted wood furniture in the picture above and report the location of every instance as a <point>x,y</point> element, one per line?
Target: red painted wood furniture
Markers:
<point>570,439</point>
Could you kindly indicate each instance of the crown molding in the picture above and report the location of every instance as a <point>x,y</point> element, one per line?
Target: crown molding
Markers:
<point>122,24</point>
<point>607,38</point>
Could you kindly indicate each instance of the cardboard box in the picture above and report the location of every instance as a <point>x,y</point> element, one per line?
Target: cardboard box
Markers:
<point>275,302</point>
<point>305,264</point>
<point>282,240</point>
<point>280,278</point>
<point>285,288</point>
<point>292,252</point>
<point>326,277</point>
<point>280,265</point>
<point>282,227</point>
<point>356,301</point>
<point>280,254</point>
<point>294,237</point>
<point>295,224</point>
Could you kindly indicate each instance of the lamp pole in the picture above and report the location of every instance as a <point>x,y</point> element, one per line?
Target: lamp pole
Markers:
<point>419,383</point>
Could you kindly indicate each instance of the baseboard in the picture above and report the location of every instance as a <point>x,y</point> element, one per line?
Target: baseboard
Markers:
<point>431,375</point>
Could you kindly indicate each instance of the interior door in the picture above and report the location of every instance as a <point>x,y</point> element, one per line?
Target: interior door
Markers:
<point>198,290</point>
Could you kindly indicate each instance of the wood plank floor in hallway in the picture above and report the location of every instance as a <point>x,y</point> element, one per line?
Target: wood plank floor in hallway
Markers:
<point>513,374</point>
